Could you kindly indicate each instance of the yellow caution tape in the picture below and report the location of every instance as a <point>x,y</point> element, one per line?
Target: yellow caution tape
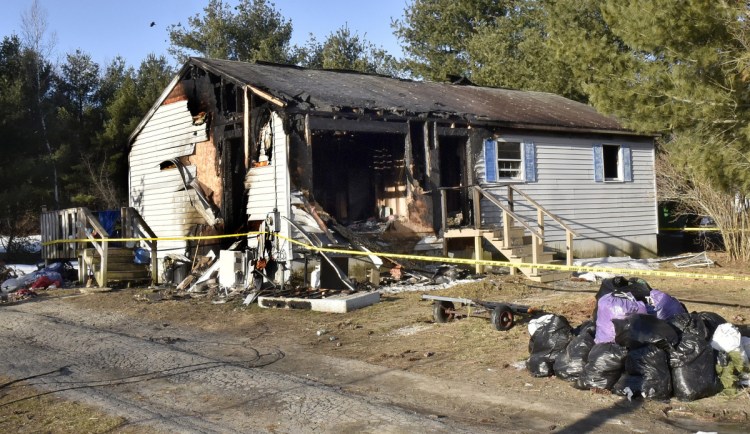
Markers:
<point>442,259</point>
<point>711,229</point>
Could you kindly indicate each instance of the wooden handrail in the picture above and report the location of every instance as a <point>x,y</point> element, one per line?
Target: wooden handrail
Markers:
<point>140,227</point>
<point>102,249</point>
<point>544,210</point>
<point>502,206</point>
<point>509,216</point>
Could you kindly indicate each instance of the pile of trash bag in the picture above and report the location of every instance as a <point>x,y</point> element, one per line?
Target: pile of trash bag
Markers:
<point>642,342</point>
<point>54,275</point>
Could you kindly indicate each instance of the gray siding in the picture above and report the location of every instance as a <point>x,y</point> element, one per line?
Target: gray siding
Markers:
<point>609,217</point>
<point>159,195</point>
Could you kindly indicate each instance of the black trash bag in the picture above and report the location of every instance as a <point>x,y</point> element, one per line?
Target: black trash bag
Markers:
<point>693,359</point>
<point>695,379</point>
<point>639,288</point>
<point>547,343</point>
<point>586,326</point>
<point>604,367</point>
<point>712,321</point>
<point>614,284</point>
<point>570,363</point>
<point>638,330</point>
<point>646,374</point>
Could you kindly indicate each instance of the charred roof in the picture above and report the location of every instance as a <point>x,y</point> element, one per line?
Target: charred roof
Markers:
<point>328,90</point>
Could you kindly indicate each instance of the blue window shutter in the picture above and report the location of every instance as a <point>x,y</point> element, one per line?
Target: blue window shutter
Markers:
<point>490,160</point>
<point>598,163</point>
<point>529,162</point>
<point>627,164</point>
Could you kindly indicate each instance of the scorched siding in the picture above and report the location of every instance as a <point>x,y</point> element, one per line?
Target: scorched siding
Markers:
<point>268,187</point>
<point>159,195</point>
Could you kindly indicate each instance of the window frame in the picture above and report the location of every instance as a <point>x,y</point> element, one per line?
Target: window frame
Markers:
<point>624,162</point>
<point>618,162</point>
<point>521,177</point>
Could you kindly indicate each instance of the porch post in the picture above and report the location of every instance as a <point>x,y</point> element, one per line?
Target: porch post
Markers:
<point>478,252</point>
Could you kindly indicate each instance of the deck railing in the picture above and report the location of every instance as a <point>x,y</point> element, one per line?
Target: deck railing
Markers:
<point>135,227</point>
<point>82,224</point>
<point>511,218</point>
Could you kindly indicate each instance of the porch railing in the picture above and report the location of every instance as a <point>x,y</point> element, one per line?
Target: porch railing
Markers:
<point>511,218</point>
<point>135,227</point>
<point>82,224</point>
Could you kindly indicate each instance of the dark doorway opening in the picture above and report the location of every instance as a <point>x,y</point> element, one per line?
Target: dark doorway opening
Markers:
<point>453,175</point>
<point>359,176</point>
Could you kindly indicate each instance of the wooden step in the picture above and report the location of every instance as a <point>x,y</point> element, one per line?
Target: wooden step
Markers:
<point>497,234</point>
<point>127,275</point>
<point>544,276</point>
<point>544,257</point>
<point>120,265</point>
<point>466,233</point>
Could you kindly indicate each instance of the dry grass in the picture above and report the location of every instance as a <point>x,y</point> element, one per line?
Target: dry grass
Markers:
<point>24,409</point>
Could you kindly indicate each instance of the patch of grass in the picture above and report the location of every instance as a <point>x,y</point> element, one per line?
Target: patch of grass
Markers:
<point>24,410</point>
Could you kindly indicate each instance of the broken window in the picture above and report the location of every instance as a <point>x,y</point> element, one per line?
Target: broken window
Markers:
<point>612,163</point>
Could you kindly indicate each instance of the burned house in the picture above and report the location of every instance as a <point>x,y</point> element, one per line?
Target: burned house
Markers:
<point>230,146</point>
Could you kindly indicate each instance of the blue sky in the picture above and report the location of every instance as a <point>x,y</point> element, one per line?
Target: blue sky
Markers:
<point>106,28</point>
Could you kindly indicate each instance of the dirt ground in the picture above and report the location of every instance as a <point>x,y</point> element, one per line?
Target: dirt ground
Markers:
<point>398,333</point>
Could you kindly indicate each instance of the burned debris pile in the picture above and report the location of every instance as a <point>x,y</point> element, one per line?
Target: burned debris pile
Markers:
<point>642,343</point>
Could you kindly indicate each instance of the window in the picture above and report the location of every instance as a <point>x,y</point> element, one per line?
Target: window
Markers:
<point>509,161</point>
<point>611,157</point>
<point>612,163</point>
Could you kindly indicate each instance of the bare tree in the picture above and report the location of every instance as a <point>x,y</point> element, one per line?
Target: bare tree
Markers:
<point>695,194</point>
<point>40,43</point>
<point>104,188</point>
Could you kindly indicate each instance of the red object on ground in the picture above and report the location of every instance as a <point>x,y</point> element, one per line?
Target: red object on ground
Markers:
<point>44,282</point>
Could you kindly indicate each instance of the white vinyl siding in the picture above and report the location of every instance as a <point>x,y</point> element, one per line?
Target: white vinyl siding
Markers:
<point>159,195</point>
<point>595,210</point>
<point>268,187</point>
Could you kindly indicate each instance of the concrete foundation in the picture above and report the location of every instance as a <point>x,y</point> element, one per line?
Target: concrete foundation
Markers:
<point>333,304</point>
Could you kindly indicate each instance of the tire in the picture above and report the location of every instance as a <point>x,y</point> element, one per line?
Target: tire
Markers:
<point>442,311</point>
<point>502,318</point>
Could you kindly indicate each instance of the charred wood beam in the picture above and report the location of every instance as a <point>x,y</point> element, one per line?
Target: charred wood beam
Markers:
<point>447,131</point>
<point>233,134</point>
<point>246,125</point>
<point>325,124</point>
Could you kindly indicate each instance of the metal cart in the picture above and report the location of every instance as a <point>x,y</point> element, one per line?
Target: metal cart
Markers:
<point>502,315</point>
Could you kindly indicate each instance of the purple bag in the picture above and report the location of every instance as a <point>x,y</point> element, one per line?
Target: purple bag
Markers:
<point>665,306</point>
<point>616,305</point>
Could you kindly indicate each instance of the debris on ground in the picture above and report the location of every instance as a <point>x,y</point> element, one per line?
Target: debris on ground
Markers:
<point>699,260</point>
<point>642,344</point>
<point>17,286</point>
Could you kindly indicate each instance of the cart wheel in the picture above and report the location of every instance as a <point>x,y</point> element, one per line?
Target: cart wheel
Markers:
<point>502,318</point>
<point>442,311</point>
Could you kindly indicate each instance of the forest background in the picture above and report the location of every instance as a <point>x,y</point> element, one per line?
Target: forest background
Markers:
<point>677,69</point>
